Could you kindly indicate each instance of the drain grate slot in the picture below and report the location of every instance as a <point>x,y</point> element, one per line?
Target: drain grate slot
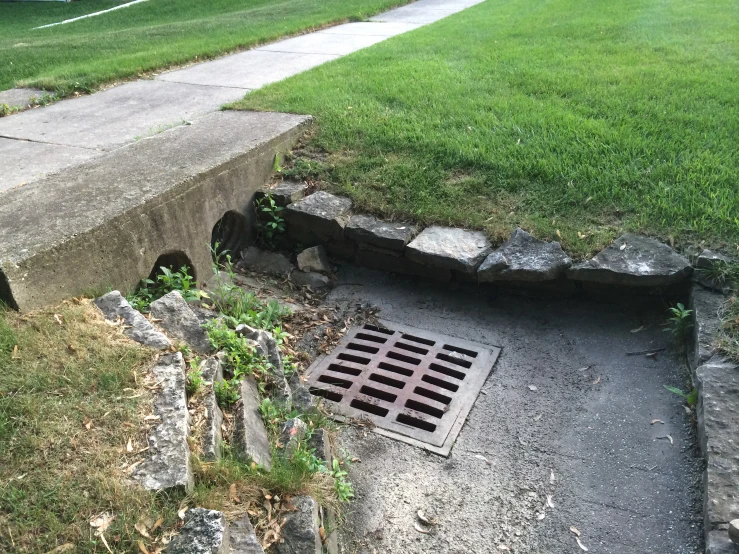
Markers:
<point>413,385</point>
<point>370,408</point>
<point>453,360</point>
<point>352,358</point>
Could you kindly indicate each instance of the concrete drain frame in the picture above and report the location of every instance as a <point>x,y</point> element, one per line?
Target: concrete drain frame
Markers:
<point>416,386</point>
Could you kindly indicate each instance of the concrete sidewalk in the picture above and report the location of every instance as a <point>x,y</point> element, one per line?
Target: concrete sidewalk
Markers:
<point>42,141</point>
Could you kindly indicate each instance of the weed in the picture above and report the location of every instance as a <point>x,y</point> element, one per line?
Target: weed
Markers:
<point>728,339</point>
<point>679,323</point>
<point>167,281</point>
<point>227,392</point>
<point>270,223</point>
<point>721,273</point>
<point>195,379</point>
<point>344,489</point>
<point>691,398</point>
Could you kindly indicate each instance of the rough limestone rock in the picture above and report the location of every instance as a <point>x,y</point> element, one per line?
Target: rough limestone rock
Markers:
<point>633,260</point>
<point>212,444</point>
<point>138,328</point>
<point>321,445</point>
<point>705,261</point>
<point>315,281</point>
<point>267,348</point>
<point>265,261</point>
<point>718,419</point>
<point>318,218</point>
<point>314,259</point>
<point>303,400</point>
<point>706,306</point>
<point>300,532</point>
<point>243,538</point>
<point>449,248</point>
<point>168,466</point>
<point>251,441</point>
<point>370,230</point>
<point>204,532</point>
<point>524,258</point>
<point>734,531</point>
<point>177,319</point>
<point>293,431</point>
<point>286,192</point>
<point>719,543</point>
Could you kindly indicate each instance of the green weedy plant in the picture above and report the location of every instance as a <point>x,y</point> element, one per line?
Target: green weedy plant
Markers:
<point>166,281</point>
<point>270,223</point>
<point>691,398</point>
<point>227,392</point>
<point>195,381</point>
<point>679,323</point>
<point>344,489</point>
<point>721,273</point>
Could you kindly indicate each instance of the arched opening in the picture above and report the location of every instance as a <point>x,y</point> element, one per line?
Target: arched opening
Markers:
<point>6,295</point>
<point>172,260</point>
<point>229,234</point>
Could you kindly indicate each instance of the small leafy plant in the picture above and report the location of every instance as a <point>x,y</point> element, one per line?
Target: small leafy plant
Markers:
<point>227,392</point>
<point>344,489</point>
<point>195,380</point>
<point>270,222</point>
<point>166,281</point>
<point>721,273</point>
<point>691,398</point>
<point>679,323</point>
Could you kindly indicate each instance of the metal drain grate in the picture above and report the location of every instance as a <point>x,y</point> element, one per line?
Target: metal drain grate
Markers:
<point>415,386</point>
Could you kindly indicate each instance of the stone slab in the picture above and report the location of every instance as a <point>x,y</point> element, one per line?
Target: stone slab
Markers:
<point>371,28</point>
<point>300,531</point>
<point>319,217</point>
<point>633,260</point>
<point>718,420</point>
<point>115,215</point>
<point>718,542</point>
<point>370,230</point>
<point>706,306</point>
<point>20,97</point>
<point>179,321</point>
<point>211,370</point>
<point>243,538</point>
<point>448,247</point>
<point>25,161</point>
<point>524,258</point>
<point>137,327</point>
<point>323,43</point>
<point>314,259</point>
<point>248,70</point>
<point>204,532</point>
<point>251,441</point>
<point>168,464</point>
<point>119,115</point>
<point>285,192</point>
<point>401,265</point>
<point>412,14</point>
<point>264,261</point>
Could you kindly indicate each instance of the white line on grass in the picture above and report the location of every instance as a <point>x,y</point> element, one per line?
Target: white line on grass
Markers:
<point>90,15</point>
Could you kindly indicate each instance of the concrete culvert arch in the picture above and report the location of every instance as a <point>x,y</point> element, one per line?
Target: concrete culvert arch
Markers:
<point>229,233</point>
<point>175,260</point>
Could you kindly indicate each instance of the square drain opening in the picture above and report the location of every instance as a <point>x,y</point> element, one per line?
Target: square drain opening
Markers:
<point>414,385</point>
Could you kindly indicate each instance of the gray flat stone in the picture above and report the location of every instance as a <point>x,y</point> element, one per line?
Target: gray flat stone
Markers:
<point>138,328</point>
<point>320,216</point>
<point>315,281</point>
<point>302,400</point>
<point>117,116</point>
<point>300,531</point>
<point>734,531</point>
<point>20,97</point>
<point>323,43</point>
<point>168,464</point>
<point>707,258</point>
<point>524,258</point>
<point>390,262</point>
<point>719,543</point>
<point>450,248</point>
<point>642,262</point>
<point>211,370</point>
<point>247,70</point>
<point>718,420</point>
<point>370,230</point>
<point>25,162</point>
<point>266,347</point>
<point>315,259</point>
<point>243,538</point>
<point>286,192</point>
<point>251,441</point>
<point>706,306</point>
<point>292,432</point>
<point>264,261</point>
<point>179,321</point>
<point>371,28</point>
<point>204,532</point>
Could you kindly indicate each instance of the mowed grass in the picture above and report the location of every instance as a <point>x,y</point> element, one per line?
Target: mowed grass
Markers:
<point>576,119</point>
<point>82,55</point>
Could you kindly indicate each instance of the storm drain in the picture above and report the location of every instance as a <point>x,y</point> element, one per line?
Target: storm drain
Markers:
<point>415,386</point>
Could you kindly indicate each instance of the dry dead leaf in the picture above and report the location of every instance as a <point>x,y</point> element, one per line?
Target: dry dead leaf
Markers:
<point>142,548</point>
<point>157,524</point>
<point>66,547</point>
<point>533,388</point>
<point>15,355</point>
<point>58,318</point>
<point>559,235</point>
<point>575,530</point>
<point>597,380</point>
<point>102,522</point>
<point>669,437</point>
<point>622,247</point>
<point>481,457</point>
<point>102,538</point>
<point>181,513</point>
<point>141,528</point>
<point>657,421</point>
<point>638,329</point>
<point>581,545</point>
<point>129,446</point>
<point>420,529</point>
<point>322,532</point>
<point>268,507</point>
<point>232,493</point>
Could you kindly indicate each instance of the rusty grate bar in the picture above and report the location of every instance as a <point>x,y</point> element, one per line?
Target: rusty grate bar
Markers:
<point>414,385</point>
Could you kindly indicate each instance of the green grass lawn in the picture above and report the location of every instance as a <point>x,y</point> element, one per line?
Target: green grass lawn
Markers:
<point>148,36</point>
<point>567,117</point>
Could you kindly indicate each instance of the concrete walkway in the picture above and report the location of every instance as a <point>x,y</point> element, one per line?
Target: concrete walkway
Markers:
<point>42,141</point>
